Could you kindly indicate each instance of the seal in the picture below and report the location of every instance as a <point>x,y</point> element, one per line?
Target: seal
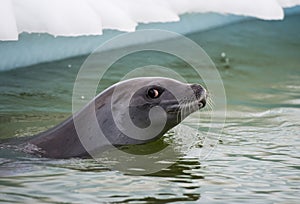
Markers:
<point>134,111</point>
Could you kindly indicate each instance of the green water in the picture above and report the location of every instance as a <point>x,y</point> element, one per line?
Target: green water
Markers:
<point>256,160</point>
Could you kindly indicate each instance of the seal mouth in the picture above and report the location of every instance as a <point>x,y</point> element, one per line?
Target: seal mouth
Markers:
<point>202,102</point>
<point>190,106</point>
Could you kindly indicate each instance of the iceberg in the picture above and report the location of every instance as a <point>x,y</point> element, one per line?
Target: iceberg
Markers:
<point>34,31</point>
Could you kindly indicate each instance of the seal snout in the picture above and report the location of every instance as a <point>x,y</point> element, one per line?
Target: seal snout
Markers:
<point>200,94</point>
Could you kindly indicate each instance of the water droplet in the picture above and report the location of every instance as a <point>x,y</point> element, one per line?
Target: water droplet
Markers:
<point>223,54</point>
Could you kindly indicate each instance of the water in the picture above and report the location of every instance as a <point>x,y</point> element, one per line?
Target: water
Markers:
<point>256,160</point>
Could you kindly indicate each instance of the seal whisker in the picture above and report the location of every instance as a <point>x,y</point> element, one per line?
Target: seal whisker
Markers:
<point>210,103</point>
<point>178,113</point>
<point>192,106</point>
<point>188,104</point>
<point>183,110</point>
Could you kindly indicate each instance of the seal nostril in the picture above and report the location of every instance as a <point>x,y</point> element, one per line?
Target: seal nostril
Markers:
<point>199,91</point>
<point>200,94</point>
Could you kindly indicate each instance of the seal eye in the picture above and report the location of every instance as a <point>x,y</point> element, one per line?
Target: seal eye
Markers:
<point>153,93</point>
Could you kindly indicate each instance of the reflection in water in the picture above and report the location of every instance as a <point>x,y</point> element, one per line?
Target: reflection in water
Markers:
<point>178,182</point>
